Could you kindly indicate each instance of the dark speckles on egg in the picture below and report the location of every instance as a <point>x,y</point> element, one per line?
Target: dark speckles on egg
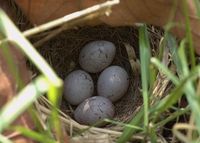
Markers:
<point>78,86</point>
<point>106,56</point>
<point>97,55</point>
<point>113,83</point>
<point>93,109</point>
<point>84,76</point>
<point>101,51</point>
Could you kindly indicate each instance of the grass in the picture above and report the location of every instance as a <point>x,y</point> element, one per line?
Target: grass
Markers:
<point>150,119</point>
<point>184,84</point>
<point>48,81</point>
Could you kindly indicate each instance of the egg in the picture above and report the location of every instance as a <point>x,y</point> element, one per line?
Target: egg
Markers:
<point>113,83</point>
<point>94,109</point>
<point>78,86</point>
<point>97,55</point>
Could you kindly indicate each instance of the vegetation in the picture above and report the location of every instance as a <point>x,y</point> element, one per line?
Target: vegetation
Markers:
<point>155,113</point>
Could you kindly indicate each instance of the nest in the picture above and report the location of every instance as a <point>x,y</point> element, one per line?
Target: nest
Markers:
<point>62,53</point>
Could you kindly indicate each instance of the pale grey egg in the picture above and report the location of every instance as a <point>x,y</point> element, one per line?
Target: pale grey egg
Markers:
<point>78,86</point>
<point>97,55</point>
<point>94,109</point>
<point>113,83</point>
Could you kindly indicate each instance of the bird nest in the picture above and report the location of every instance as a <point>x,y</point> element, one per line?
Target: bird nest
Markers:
<point>62,53</point>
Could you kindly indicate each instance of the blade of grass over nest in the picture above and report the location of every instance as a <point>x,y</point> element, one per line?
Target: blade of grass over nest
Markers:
<point>54,95</point>
<point>183,59</point>
<point>123,124</point>
<point>165,70</point>
<point>145,75</point>
<point>152,133</point>
<point>173,47</point>
<point>168,101</point>
<point>175,95</point>
<point>21,102</point>
<point>179,59</point>
<point>188,33</point>
<point>172,116</point>
<point>153,77</point>
<point>4,139</point>
<point>189,88</point>
<point>34,135</point>
<point>145,70</point>
<point>128,132</point>
<point>161,48</point>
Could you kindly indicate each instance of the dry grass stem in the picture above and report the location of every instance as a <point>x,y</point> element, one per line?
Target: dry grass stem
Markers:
<point>76,17</point>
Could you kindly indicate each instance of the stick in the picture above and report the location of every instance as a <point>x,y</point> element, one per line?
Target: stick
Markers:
<point>76,17</point>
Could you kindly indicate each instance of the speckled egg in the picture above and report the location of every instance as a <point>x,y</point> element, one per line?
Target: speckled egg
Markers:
<point>113,83</point>
<point>97,55</point>
<point>93,110</point>
<point>78,86</point>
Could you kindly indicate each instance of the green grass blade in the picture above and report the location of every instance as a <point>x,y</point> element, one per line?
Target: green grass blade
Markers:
<point>190,89</point>
<point>172,116</point>
<point>123,124</point>
<point>34,135</point>
<point>145,68</point>
<point>165,70</point>
<point>21,102</point>
<point>145,75</point>
<point>188,33</point>
<point>173,48</point>
<point>128,132</point>
<point>153,134</point>
<point>183,60</point>
<point>187,78</point>
<point>175,95</point>
<point>54,95</point>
